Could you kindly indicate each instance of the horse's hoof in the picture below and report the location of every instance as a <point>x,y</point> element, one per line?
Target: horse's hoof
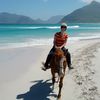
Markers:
<point>59,97</point>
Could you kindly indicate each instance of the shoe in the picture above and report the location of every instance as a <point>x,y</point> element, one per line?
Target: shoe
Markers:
<point>44,69</point>
<point>70,67</point>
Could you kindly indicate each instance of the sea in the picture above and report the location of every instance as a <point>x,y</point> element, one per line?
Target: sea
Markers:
<point>14,36</point>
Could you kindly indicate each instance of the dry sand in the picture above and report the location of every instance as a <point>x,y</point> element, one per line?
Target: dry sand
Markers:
<point>21,76</point>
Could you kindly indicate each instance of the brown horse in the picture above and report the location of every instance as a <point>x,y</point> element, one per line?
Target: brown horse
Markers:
<point>58,65</point>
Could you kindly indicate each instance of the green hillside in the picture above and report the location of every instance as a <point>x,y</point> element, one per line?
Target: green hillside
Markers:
<point>87,14</point>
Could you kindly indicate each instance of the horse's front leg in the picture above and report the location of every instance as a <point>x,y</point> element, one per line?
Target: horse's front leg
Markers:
<point>53,80</point>
<point>53,77</point>
<point>60,87</point>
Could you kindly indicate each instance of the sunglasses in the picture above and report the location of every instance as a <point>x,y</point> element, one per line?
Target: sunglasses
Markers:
<point>63,27</point>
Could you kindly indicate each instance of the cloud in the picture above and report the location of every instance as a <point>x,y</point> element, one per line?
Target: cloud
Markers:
<point>88,1</point>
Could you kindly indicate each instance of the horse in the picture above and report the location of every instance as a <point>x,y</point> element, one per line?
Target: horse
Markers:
<point>58,65</point>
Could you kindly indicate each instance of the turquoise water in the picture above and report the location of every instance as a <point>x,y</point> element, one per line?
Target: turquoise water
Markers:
<point>29,35</point>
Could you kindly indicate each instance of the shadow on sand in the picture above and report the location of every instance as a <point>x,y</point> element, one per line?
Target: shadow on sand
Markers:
<point>40,91</point>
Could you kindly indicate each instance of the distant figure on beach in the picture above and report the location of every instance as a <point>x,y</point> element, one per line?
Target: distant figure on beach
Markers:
<point>60,40</point>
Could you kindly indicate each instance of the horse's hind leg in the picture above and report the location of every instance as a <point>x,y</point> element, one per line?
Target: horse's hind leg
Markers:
<point>53,81</point>
<point>60,87</point>
<point>53,78</point>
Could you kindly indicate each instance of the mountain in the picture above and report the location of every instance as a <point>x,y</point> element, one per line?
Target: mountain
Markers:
<point>52,20</point>
<point>87,14</point>
<point>8,18</point>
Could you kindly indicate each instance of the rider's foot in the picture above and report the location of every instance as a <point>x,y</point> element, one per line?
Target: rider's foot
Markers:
<point>70,67</point>
<point>44,69</point>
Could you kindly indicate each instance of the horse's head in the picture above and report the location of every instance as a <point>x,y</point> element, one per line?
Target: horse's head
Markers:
<point>59,53</point>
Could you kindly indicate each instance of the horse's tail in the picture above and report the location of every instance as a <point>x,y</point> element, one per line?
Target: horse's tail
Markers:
<point>61,69</point>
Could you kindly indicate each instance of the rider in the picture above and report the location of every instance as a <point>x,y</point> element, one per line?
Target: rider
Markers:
<point>60,40</point>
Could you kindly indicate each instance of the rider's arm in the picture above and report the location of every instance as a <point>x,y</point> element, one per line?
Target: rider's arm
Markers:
<point>63,44</point>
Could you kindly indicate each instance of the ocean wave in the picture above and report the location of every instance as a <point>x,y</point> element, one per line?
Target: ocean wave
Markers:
<point>83,38</point>
<point>54,27</point>
<point>39,27</point>
<point>51,27</point>
<point>73,27</point>
<point>45,41</point>
<point>27,43</point>
<point>96,28</point>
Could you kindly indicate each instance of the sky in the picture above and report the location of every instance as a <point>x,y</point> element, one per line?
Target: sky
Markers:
<point>43,9</point>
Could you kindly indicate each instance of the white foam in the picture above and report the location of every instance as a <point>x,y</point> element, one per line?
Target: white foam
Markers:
<point>42,41</point>
<point>28,43</point>
<point>73,27</point>
<point>96,28</point>
<point>39,27</point>
<point>83,38</point>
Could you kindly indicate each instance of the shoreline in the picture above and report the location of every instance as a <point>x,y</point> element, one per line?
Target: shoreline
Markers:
<point>30,80</point>
<point>42,42</point>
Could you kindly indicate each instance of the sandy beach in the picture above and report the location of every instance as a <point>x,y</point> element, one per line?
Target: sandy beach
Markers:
<point>21,77</point>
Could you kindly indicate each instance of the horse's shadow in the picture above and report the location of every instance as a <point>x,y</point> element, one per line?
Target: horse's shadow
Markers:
<point>40,91</point>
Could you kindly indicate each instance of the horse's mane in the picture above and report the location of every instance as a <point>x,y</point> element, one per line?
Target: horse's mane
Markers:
<point>59,52</point>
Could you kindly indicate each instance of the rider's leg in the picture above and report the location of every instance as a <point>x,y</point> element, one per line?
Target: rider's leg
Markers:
<point>46,65</point>
<point>68,57</point>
